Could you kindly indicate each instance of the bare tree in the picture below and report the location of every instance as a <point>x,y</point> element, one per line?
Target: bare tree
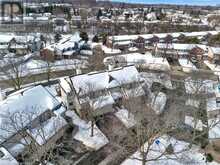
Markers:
<point>26,128</point>
<point>151,127</point>
<point>14,70</point>
<point>96,61</point>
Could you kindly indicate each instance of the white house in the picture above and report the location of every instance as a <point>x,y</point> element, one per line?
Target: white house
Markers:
<point>100,90</point>
<point>33,111</point>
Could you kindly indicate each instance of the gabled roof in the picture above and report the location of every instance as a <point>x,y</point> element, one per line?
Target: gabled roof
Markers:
<point>162,35</point>
<point>197,51</point>
<point>23,107</point>
<point>95,81</point>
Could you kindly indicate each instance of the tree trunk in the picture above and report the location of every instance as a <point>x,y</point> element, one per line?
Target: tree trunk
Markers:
<point>92,128</point>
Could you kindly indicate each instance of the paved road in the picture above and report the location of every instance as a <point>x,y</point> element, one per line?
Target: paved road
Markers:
<point>37,78</point>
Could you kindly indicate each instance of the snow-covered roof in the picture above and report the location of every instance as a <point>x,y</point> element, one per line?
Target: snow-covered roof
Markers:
<point>142,60</point>
<point>156,63</point>
<point>19,146</point>
<point>177,46</point>
<point>215,50</point>
<point>161,35</point>
<point>43,18</point>
<point>199,86</point>
<point>48,129</point>
<point>6,38</point>
<point>24,106</point>
<point>102,101</point>
<point>67,43</point>
<point>212,105</point>
<point>7,158</point>
<point>95,81</point>
<point>187,65</point>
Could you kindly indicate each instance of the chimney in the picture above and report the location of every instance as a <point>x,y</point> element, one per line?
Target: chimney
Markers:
<point>111,64</point>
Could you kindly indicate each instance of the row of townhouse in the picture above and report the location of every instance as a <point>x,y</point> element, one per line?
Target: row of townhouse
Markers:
<point>197,51</point>
<point>124,41</point>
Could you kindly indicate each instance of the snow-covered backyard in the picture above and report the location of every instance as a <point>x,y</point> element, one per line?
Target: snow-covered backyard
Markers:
<point>83,134</point>
<point>182,154</point>
<point>126,118</point>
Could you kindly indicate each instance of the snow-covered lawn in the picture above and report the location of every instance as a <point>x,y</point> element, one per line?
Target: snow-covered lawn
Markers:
<point>182,154</point>
<point>126,118</point>
<point>84,133</point>
<point>187,66</point>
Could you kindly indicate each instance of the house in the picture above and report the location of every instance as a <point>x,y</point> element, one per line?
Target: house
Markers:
<point>99,91</point>
<point>66,48</point>
<point>20,45</point>
<point>60,25</point>
<point>197,53</point>
<point>139,43</point>
<point>141,61</point>
<point>4,42</point>
<point>31,117</point>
